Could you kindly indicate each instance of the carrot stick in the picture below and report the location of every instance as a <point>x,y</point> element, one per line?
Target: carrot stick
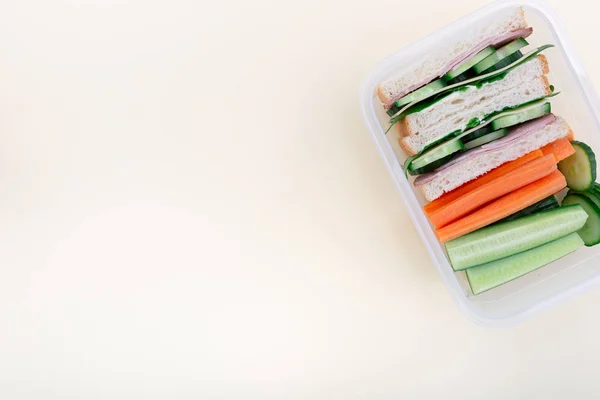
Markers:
<point>513,180</point>
<point>561,149</point>
<point>571,135</point>
<point>449,197</point>
<point>503,207</point>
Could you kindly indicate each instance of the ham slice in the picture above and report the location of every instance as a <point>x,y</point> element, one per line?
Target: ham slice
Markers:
<point>515,134</point>
<point>495,41</point>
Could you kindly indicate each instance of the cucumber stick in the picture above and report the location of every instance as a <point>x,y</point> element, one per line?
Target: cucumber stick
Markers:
<point>590,232</point>
<point>579,169</point>
<point>496,273</point>
<point>549,203</point>
<point>505,239</point>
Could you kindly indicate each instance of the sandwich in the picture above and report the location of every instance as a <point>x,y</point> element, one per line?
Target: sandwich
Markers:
<point>449,123</point>
<point>523,84</point>
<point>434,66</point>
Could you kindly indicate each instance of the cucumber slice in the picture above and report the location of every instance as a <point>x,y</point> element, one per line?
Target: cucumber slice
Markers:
<point>590,233</point>
<point>430,167</point>
<point>462,77</point>
<point>461,70</point>
<point>506,61</point>
<point>592,195</point>
<point>393,110</point>
<point>523,116</point>
<point>435,156</point>
<point>579,169</point>
<point>421,93</point>
<point>549,203</point>
<point>596,190</point>
<point>477,134</point>
<point>506,239</point>
<point>499,55</point>
<point>490,137</point>
<point>496,273</point>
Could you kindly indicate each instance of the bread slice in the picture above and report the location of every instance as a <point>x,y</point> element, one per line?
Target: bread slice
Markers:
<point>524,83</point>
<point>463,172</point>
<point>434,61</point>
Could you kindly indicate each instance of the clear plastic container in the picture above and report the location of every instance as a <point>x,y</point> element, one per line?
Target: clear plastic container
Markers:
<point>578,103</point>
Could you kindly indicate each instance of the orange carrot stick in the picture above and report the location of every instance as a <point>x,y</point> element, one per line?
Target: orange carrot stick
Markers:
<point>503,207</point>
<point>449,197</point>
<point>561,149</point>
<point>511,181</point>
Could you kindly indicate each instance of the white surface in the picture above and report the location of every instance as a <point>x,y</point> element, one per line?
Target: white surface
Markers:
<point>191,207</point>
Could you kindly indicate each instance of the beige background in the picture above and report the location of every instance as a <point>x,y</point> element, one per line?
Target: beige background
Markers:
<point>192,208</point>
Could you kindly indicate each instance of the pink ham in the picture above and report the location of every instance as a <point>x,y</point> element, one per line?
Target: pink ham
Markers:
<point>495,41</point>
<point>515,134</point>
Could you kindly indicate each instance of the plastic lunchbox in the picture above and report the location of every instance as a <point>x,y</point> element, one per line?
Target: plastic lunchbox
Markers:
<point>578,103</point>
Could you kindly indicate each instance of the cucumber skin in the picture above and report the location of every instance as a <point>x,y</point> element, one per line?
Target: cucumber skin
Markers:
<point>496,273</point>
<point>446,149</point>
<point>549,203</point>
<point>582,199</point>
<point>591,194</point>
<point>468,74</point>
<point>591,156</point>
<point>506,239</point>
<point>456,147</point>
<point>393,110</point>
<point>431,166</point>
<point>477,134</point>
